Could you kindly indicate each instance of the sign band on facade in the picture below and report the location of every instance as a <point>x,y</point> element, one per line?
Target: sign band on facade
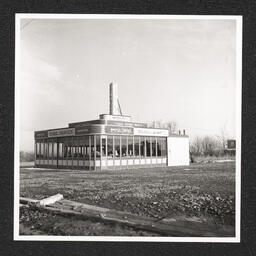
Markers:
<point>151,132</point>
<point>119,130</point>
<point>61,133</point>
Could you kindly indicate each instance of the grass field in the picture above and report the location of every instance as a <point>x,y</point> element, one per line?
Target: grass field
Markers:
<point>205,191</point>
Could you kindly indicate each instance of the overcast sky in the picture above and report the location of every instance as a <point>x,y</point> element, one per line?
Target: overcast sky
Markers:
<point>182,70</point>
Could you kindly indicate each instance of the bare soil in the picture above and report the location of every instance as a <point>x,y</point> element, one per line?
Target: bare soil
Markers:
<point>41,222</point>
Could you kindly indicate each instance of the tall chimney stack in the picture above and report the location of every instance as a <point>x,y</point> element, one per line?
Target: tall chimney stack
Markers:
<point>113,100</point>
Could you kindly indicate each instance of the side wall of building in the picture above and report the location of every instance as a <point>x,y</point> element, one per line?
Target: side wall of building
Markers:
<point>178,151</point>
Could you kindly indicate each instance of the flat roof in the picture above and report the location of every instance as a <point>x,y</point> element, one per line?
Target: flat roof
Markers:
<point>106,126</point>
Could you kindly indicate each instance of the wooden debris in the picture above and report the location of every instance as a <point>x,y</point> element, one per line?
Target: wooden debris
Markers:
<point>164,227</point>
<point>25,200</point>
<point>51,199</point>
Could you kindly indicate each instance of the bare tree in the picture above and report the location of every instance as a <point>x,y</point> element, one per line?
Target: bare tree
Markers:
<point>222,139</point>
<point>159,124</point>
<point>196,146</point>
<point>152,124</point>
<point>210,146</point>
<point>171,126</point>
<point>156,124</point>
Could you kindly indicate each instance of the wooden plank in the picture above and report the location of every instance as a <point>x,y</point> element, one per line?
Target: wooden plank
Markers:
<point>25,200</point>
<point>174,228</point>
<point>51,199</point>
<point>163,227</point>
<point>43,202</point>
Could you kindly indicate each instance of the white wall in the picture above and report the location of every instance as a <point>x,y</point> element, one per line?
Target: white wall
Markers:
<point>178,151</point>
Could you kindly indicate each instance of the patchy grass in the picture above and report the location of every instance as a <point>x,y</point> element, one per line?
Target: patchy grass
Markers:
<point>202,190</point>
<point>27,164</point>
<point>210,159</point>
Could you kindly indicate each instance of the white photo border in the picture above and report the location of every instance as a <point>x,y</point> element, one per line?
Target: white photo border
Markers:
<point>236,238</point>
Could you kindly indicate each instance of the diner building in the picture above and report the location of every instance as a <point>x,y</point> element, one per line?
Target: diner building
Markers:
<point>113,141</point>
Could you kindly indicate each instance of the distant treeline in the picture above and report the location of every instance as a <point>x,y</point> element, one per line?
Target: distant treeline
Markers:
<point>26,156</point>
<point>211,145</point>
<point>208,146</point>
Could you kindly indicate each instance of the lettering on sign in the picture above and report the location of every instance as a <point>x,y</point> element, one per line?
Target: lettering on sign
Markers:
<point>118,130</point>
<point>140,125</point>
<point>127,124</point>
<point>86,123</point>
<point>40,135</point>
<point>151,132</point>
<point>116,118</point>
<point>82,130</point>
<point>62,132</point>
<point>116,123</point>
<point>95,128</point>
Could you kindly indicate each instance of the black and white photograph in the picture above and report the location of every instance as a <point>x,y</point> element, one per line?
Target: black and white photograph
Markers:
<point>127,127</point>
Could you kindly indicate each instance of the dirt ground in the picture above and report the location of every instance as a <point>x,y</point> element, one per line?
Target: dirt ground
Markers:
<point>205,190</point>
<point>41,222</point>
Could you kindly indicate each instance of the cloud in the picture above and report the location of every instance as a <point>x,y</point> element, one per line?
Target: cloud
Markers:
<point>36,69</point>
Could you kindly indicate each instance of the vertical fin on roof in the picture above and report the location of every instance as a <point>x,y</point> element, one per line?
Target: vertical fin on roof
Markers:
<point>114,106</point>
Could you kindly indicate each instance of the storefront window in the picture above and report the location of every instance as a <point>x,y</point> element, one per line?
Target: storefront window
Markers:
<point>117,146</point>
<point>142,146</point>
<point>60,150</point>
<point>148,147</point>
<point>74,150</point>
<point>164,147</point>
<point>86,147</point>
<point>65,151</point>
<point>37,149</point>
<point>50,149</point>
<point>120,146</point>
<point>104,142</point>
<point>55,150</point>
<point>69,151</point>
<point>124,146</point>
<point>82,144</point>
<point>80,151</point>
<point>66,145</point>
<point>45,150</point>
<point>130,146</point>
<point>161,146</point>
<point>97,146</point>
<point>92,146</point>
<point>110,146</point>
<point>137,146</point>
<point>153,140</point>
<point>42,150</point>
<point>78,144</point>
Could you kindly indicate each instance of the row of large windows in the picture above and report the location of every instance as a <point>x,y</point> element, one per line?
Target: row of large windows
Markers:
<point>95,146</point>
